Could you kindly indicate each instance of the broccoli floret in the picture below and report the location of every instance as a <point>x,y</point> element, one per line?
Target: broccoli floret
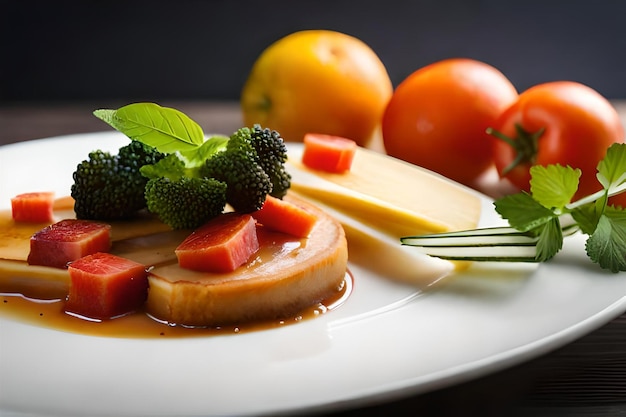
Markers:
<point>110,187</point>
<point>252,166</point>
<point>185,203</point>
<point>137,154</point>
<point>247,183</point>
<point>272,152</point>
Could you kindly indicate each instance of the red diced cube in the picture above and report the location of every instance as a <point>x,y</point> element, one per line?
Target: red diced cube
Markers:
<point>286,217</point>
<point>221,245</point>
<point>328,152</point>
<point>33,207</point>
<point>68,240</point>
<point>104,286</point>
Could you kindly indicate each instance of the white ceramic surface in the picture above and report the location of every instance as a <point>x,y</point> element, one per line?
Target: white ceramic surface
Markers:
<point>387,341</point>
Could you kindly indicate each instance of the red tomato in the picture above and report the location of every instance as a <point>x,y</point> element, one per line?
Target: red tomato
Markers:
<point>438,115</point>
<point>573,124</point>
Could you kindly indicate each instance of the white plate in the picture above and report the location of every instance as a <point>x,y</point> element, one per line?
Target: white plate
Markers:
<point>387,341</point>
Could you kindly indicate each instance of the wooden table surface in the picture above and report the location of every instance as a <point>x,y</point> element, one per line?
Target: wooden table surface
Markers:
<point>584,378</point>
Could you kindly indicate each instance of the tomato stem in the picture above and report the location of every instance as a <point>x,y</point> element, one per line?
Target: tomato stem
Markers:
<point>526,145</point>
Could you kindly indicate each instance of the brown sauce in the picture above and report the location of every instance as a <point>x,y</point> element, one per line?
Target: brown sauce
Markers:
<point>47,309</point>
<point>51,314</point>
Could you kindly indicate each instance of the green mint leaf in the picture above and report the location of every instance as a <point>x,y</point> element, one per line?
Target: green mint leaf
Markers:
<point>553,186</point>
<point>166,129</point>
<point>612,169</point>
<point>550,240</point>
<point>196,157</point>
<point>523,212</point>
<point>185,164</point>
<point>607,245</point>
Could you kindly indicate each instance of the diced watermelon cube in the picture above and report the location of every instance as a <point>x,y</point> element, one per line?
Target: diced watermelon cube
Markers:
<point>286,217</point>
<point>104,286</point>
<point>328,152</point>
<point>60,243</point>
<point>221,245</point>
<point>36,207</point>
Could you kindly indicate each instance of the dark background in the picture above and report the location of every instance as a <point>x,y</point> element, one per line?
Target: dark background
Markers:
<point>154,50</point>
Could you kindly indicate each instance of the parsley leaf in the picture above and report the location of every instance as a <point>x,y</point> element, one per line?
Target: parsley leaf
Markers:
<point>587,218</point>
<point>612,169</point>
<point>550,240</point>
<point>552,189</point>
<point>523,212</point>
<point>607,245</point>
<point>553,186</point>
<point>544,215</point>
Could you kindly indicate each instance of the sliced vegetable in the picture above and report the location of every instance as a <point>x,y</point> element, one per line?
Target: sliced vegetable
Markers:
<point>539,220</point>
<point>36,207</point>
<point>104,286</point>
<point>285,217</point>
<point>221,245</point>
<point>68,240</point>
<point>495,244</point>
<point>328,153</point>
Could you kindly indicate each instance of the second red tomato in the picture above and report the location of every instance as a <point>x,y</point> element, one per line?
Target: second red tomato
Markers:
<point>561,122</point>
<point>438,115</point>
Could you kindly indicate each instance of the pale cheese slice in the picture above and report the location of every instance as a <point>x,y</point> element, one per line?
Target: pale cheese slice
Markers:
<point>389,195</point>
<point>382,199</point>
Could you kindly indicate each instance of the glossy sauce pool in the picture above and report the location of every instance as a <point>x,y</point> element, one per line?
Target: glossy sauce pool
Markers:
<point>51,314</point>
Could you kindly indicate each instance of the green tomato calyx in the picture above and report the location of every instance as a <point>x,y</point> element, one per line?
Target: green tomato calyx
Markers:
<point>525,144</point>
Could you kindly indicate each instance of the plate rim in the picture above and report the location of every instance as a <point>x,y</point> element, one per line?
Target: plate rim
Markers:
<point>390,390</point>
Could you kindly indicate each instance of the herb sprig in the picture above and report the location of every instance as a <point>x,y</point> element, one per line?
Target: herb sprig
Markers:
<point>539,218</point>
<point>169,131</point>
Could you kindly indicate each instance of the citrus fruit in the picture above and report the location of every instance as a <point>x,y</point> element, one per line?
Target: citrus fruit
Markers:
<point>317,81</point>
